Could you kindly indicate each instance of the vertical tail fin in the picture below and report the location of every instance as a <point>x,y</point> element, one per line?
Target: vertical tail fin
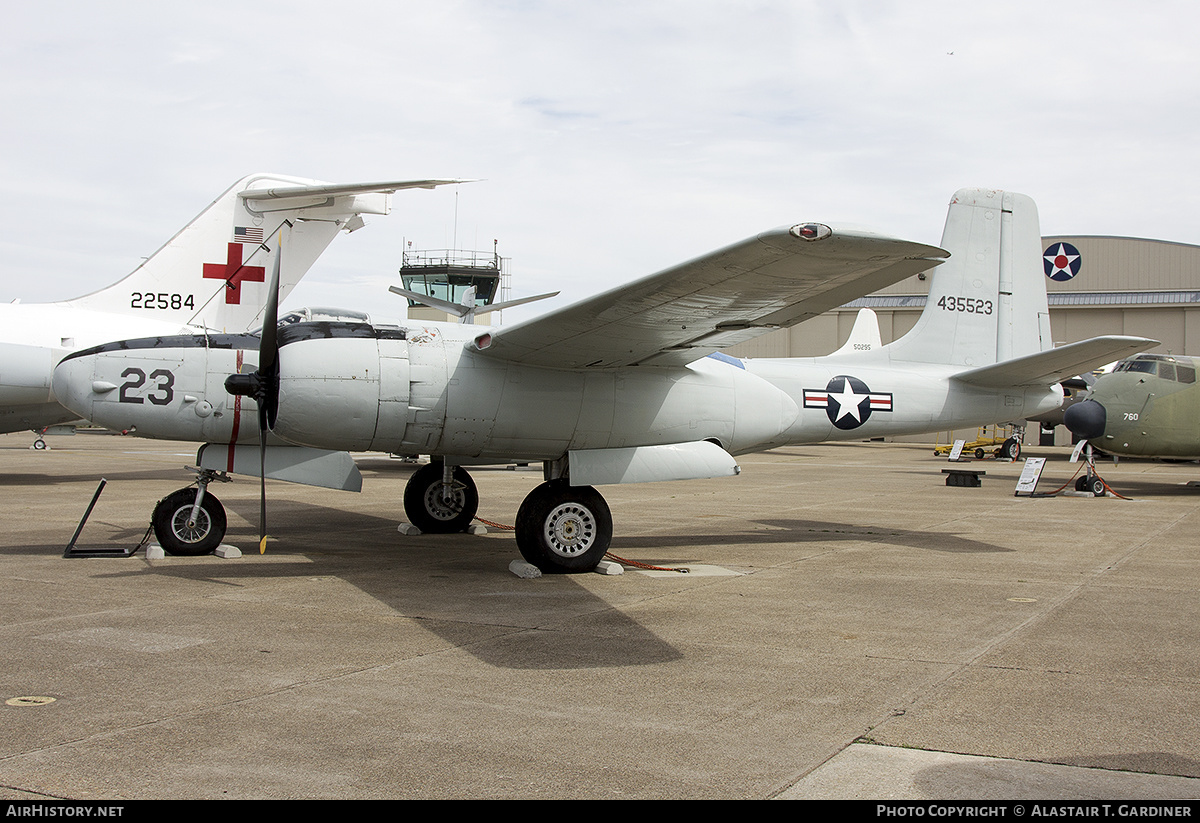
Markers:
<point>987,303</point>
<point>864,336</point>
<point>212,273</point>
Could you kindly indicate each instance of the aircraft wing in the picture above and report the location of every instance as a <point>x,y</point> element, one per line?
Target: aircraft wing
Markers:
<point>1056,365</point>
<point>776,279</point>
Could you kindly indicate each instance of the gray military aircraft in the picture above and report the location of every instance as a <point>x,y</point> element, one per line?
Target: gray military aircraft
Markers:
<point>618,388</point>
<point>1148,406</point>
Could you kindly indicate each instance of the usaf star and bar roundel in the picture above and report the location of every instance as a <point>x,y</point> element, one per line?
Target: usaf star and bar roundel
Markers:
<point>1061,261</point>
<point>847,401</point>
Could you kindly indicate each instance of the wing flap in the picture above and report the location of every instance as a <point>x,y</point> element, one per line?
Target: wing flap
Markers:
<point>776,279</point>
<point>1055,365</point>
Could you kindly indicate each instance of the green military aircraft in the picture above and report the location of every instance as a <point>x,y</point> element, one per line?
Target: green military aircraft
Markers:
<point>1148,406</point>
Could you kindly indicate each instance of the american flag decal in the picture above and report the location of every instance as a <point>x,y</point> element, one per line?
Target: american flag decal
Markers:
<point>247,234</point>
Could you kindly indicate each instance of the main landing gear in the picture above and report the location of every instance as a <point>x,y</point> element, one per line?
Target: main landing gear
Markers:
<point>560,528</point>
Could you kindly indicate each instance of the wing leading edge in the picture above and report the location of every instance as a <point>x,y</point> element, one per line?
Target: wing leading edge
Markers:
<point>777,279</point>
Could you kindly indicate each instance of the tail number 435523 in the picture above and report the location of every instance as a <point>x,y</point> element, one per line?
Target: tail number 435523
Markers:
<point>970,305</point>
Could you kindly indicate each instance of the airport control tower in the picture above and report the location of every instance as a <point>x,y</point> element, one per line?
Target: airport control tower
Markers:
<point>447,275</point>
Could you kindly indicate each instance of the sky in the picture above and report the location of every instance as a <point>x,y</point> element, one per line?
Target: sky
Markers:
<point>609,139</point>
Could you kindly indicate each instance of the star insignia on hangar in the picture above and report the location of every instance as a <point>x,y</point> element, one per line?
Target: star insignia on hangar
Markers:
<point>1061,261</point>
<point>847,401</point>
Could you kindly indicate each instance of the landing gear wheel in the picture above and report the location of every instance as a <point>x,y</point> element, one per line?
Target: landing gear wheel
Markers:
<point>179,537</point>
<point>433,512</point>
<point>564,529</point>
<point>1010,449</point>
<point>1090,484</point>
<point>39,444</point>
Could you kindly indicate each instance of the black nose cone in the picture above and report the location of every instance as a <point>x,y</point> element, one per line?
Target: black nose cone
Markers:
<point>1085,420</point>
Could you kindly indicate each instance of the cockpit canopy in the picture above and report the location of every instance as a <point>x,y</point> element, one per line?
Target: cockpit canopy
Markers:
<point>310,314</point>
<point>1180,370</point>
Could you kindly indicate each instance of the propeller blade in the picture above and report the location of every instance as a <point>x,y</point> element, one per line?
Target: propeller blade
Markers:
<point>263,386</point>
<point>268,352</point>
<point>262,491</point>
<point>268,398</point>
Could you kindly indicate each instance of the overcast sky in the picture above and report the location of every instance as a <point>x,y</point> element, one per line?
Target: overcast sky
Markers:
<point>612,138</point>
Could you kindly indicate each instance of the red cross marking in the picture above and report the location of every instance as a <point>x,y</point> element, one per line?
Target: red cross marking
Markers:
<point>234,273</point>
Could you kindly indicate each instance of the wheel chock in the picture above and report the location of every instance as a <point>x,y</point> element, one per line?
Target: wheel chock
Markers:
<point>526,571</point>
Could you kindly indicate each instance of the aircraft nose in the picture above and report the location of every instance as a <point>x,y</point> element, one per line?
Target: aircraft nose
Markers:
<point>1086,419</point>
<point>72,384</point>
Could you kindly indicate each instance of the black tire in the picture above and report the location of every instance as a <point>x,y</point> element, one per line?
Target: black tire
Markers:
<point>427,510</point>
<point>1096,487</point>
<point>980,453</point>
<point>39,444</point>
<point>1011,449</point>
<point>170,521</point>
<point>564,529</point>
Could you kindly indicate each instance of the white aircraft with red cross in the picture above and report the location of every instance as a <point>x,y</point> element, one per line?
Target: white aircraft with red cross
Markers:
<point>209,277</point>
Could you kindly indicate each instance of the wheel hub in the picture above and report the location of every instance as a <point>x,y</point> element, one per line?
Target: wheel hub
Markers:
<point>439,507</point>
<point>570,530</point>
<point>188,530</point>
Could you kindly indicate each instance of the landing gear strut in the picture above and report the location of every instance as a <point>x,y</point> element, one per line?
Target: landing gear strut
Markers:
<point>1090,482</point>
<point>191,522</point>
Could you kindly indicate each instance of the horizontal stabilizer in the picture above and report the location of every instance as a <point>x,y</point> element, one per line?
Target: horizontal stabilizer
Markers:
<point>336,190</point>
<point>459,309</point>
<point>1055,365</point>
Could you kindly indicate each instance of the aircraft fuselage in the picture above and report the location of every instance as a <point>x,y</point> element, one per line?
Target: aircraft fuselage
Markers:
<point>419,389</point>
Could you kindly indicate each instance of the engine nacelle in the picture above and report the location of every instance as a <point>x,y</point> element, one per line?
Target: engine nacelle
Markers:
<point>343,386</point>
<point>421,391</point>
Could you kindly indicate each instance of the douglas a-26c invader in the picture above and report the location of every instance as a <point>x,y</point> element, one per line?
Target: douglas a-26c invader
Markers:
<point>617,388</point>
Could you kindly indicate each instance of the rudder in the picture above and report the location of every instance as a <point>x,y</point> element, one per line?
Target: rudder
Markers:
<point>988,302</point>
